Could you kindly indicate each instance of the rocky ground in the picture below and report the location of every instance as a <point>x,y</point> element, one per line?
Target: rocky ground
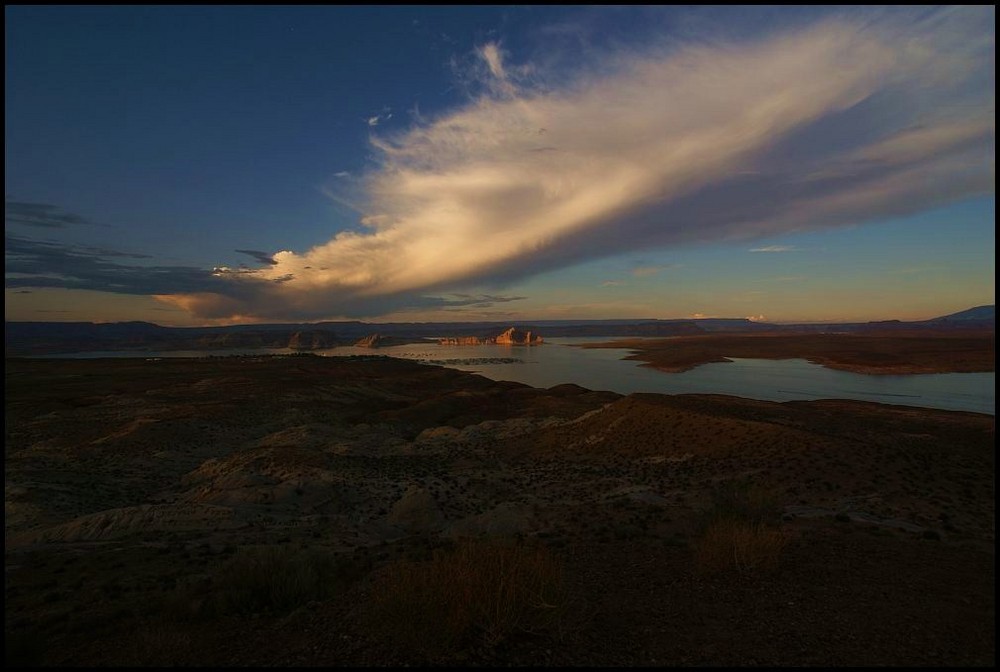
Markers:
<point>136,490</point>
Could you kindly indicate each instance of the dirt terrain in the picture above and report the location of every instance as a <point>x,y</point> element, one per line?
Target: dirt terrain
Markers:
<point>253,511</point>
<point>886,353</point>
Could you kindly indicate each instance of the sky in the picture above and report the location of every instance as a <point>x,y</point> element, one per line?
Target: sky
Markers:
<point>195,165</point>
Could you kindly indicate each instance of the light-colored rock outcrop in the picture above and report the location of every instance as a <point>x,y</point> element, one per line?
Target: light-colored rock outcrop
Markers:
<point>515,336</point>
<point>511,336</point>
<point>370,341</point>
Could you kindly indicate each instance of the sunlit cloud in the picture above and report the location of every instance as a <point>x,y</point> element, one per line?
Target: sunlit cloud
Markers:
<point>645,271</point>
<point>838,122</point>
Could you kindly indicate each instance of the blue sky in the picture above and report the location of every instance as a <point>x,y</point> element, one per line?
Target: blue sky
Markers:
<point>208,165</point>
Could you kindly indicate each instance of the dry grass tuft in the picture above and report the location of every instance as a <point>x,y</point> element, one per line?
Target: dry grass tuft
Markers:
<point>160,645</point>
<point>276,579</point>
<point>480,592</point>
<point>741,532</point>
<point>747,548</point>
<point>746,501</point>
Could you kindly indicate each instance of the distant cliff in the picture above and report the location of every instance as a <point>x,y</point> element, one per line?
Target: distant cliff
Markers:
<point>512,336</point>
<point>40,338</point>
<point>312,340</point>
<point>979,314</point>
<point>381,341</point>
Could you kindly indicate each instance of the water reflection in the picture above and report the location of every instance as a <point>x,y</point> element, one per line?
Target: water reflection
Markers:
<point>557,362</point>
<point>773,380</point>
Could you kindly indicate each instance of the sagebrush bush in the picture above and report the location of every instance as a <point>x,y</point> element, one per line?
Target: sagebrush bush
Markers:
<point>477,592</point>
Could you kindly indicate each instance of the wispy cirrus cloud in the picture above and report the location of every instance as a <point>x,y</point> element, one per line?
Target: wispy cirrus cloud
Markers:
<point>776,248</point>
<point>40,215</point>
<point>381,117</point>
<point>40,264</point>
<point>848,119</point>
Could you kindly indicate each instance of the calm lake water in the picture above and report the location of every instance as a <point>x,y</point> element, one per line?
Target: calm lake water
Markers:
<point>557,362</point>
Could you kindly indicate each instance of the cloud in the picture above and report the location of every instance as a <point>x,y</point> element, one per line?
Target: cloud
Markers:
<point>38,264</point>
<point>612,283</point>
<point>645,271</point>
<point>775,248</point>
<point>262,257</point>
<point>384,115</point>
<point>853,117</point>
<point>234,306</point>
<point>48,264</point>
<point>481,300</point>
<point>40,215</point>
<point>784,278</point>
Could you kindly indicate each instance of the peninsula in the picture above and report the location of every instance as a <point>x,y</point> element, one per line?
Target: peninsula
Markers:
<point>877,353</point>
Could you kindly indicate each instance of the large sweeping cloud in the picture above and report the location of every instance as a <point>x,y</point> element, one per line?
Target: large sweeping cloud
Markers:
<point>838,122</point>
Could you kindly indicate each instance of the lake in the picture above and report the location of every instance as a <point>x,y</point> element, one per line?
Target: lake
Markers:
<point>557,362</point>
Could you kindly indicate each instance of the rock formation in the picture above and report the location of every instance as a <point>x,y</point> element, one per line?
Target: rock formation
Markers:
<point>512,336</point>
<point>370,341</point>
<point>515,336</point>
<point>311,340</point>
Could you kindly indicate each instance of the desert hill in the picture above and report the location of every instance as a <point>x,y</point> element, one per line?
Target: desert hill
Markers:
<point>154,510</point>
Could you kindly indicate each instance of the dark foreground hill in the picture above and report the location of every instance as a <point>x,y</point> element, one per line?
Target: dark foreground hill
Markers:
<point>317,511</point>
